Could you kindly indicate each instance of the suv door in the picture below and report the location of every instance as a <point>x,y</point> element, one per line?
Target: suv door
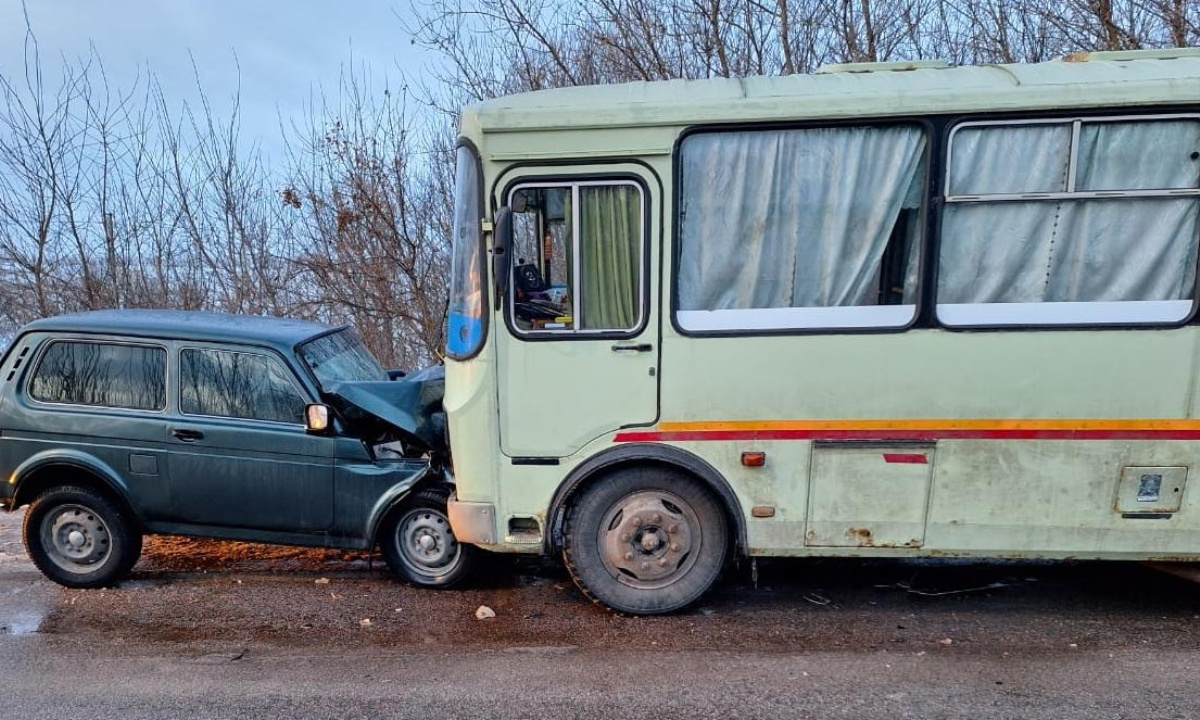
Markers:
<point>238,454</point>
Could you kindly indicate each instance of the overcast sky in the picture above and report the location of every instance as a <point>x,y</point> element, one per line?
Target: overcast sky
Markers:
<point>286,49</point>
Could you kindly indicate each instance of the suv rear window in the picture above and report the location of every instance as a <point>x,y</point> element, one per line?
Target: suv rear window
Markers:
<point>102,374</point>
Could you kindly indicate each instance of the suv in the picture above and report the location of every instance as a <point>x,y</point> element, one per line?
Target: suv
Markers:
<point>118,423</point>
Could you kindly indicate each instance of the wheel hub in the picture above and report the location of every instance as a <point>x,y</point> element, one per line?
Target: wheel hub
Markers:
<point>426,542</point>
<point>76,537</point>
<point>650,542</point>
<point>648,537</point>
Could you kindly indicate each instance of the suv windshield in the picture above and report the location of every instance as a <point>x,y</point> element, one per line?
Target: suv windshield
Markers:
<point>341,357</point>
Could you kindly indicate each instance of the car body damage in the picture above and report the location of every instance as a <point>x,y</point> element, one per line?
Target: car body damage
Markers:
<point>411,405</point>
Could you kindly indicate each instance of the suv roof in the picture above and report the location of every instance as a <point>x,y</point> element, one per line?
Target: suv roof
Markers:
<point>283,333</point>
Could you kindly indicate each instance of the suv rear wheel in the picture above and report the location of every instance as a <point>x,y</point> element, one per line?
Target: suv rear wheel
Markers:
<point>80,538</point>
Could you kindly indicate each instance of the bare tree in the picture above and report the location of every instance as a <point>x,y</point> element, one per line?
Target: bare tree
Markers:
<point>505,46</point>
<point>371,197</point>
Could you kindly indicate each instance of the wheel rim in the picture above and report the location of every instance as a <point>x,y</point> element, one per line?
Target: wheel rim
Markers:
<point>76,538</point>
<point>427,545</point>
<point>649,539</point>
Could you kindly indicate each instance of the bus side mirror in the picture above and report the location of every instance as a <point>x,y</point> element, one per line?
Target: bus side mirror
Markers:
<point>501,251</point>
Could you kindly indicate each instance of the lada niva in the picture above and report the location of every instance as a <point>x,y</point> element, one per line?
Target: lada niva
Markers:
<point>120,423</point>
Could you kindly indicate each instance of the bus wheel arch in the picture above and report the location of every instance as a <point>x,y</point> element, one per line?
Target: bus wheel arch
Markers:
<point>624,456</point>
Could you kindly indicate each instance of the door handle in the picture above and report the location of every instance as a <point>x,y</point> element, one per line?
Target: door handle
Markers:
<point>187,435</point>
<point>632,347</point>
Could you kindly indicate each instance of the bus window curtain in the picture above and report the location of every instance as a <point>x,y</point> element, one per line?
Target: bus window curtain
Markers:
<point>569,239</point>
<point>610,244</point>
<point>792,218</point>
<point>1069,251</point>
<point>1075,250</point>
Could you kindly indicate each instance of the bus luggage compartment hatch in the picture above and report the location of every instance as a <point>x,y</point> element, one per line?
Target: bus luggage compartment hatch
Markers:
<point>868,495</point>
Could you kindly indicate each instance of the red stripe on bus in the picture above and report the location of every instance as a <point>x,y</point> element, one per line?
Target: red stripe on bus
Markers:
<point>912,435</point>
<point>906,458</point>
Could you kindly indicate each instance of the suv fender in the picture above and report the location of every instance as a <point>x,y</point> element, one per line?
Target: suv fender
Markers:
<point>395,496</point>
<point>75,460</point>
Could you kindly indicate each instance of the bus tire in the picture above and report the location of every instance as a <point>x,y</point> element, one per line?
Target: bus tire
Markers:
<point>645,540</point>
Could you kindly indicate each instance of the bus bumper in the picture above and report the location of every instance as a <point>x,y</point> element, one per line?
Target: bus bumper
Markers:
<point>473,522</point>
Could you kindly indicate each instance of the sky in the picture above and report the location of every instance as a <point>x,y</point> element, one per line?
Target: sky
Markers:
<point>287,50</point>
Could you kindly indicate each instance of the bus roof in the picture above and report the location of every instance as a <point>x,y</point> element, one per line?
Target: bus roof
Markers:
<point>1102,79</point>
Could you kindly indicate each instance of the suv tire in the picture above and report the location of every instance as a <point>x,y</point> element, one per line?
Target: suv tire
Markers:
<point>80,538</point>
<point>419,545</point>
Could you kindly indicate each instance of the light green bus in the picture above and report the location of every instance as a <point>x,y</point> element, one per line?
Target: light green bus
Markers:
<point>889,310</point>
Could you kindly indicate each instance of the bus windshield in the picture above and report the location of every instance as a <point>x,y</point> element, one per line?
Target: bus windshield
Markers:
<point>465,328</point>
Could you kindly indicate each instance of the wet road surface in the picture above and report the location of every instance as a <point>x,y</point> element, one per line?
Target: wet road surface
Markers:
<point>229,630</point>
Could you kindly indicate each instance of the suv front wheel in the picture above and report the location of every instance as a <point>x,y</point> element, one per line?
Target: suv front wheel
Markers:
<point>79,538</point>
<point>419,545</point>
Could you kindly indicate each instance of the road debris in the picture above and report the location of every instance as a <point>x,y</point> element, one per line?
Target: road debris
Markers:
<point>365,622</point>
<point>484,612</point>
<point>946,642</point>
<point>908,588</point>
<point>322,581</point>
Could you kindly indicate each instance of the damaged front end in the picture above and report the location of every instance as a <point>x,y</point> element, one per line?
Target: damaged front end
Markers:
<point>402,416</point>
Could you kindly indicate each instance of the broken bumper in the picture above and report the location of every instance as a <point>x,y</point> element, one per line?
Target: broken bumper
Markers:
<point>473,522</point>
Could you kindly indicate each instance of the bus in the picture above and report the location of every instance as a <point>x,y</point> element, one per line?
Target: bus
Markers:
<point>899,310</point>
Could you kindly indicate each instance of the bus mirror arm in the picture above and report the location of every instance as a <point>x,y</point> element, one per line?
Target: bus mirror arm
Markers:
<point>501,244</point>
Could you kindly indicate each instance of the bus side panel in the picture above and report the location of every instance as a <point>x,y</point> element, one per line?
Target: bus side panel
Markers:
<point>1036,496</point>
<point>994,490</point>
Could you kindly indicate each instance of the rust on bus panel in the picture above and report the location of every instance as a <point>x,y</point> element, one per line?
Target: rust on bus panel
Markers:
<point>862,537</point>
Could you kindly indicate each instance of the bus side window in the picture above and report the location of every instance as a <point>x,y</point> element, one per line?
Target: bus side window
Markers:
<point>1071,221</point>
<point>808,228</point>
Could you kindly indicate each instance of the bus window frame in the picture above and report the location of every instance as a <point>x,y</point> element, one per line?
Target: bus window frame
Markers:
<point>930,208</point>
<point>948,125</point>
<point>594,179</point>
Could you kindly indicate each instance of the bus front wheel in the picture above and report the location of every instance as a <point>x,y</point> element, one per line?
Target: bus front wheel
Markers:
<point>646,540</point>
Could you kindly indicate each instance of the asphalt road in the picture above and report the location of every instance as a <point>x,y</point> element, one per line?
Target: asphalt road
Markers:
<point>226,630</point>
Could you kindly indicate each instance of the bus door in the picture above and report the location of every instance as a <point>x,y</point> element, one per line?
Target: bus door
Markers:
<point>578,348</point>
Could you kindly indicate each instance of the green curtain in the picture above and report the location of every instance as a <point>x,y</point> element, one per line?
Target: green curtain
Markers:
<point>610,250</point>
<point>569,241</point>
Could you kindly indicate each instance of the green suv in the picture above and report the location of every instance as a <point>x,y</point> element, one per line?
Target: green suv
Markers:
<point>119,423</point>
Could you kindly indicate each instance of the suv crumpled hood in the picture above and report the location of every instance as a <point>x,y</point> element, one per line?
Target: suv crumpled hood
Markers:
<point>412,405</point>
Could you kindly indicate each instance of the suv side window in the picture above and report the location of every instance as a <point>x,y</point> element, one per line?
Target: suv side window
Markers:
<point>220,383</point>
<point>101,374</point>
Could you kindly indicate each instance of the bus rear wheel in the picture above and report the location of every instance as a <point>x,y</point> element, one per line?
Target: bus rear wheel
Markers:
<point>646,541</point>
